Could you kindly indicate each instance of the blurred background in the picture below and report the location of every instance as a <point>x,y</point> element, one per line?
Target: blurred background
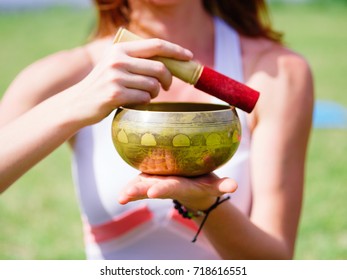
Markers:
<point>39,216</point>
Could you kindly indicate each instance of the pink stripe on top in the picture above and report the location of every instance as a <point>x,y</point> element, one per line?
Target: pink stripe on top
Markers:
<point>174,215</point>
<point>118,226</point>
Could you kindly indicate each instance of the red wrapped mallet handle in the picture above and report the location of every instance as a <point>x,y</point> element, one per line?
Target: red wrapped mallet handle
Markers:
<point>204,78</point>
<point>227,89</point>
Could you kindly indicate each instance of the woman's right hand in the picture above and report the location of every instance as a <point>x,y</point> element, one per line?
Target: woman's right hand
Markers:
<point>123,76</point>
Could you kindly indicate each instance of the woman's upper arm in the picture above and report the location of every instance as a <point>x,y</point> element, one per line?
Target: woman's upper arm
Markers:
<point>41,80</point>
<point>279,144</point>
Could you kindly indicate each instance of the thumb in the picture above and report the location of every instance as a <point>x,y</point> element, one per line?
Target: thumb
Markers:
<point>226,185</point>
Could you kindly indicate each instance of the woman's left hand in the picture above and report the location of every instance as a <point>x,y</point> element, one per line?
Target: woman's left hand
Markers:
<point>197,193</point>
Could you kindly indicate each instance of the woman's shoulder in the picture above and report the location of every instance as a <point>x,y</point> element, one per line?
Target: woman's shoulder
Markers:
<point>54,72</point>
<point>281,75</point>
<point>262,55</point>
<point>60,70</point>
<point>66,64</point>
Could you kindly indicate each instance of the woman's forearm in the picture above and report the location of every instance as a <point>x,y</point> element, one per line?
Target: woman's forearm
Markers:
<point>31,137</point>
<point>234,236</point>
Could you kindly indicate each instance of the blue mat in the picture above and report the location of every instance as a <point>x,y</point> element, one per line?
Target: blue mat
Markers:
<point>329,114</point>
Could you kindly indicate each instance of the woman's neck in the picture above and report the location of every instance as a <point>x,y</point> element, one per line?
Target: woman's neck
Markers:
<point>185,23</point>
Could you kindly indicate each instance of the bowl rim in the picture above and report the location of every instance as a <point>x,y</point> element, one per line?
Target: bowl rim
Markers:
<point>218,107</point>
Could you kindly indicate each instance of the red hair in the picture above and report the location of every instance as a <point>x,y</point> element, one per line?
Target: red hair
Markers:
<point>249,17</point>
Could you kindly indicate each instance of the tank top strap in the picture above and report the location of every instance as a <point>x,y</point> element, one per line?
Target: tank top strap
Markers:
<point>228,59</point>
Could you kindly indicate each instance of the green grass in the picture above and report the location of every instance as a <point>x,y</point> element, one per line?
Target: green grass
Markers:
<point>39,214</point>
<point>323,229</point>
<point>318,32</point>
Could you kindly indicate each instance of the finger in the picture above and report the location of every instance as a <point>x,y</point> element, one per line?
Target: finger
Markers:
<point>155,69</point>
<point>161,189</point>
<point>156,47</point>
<point>208,184</point>
<point>217,186</point>
<point>226,185</point>
<point>162,186</point>
<point>179,187</point>
<point>143,83</point>
<point>134,192</point>
<point>129,96</point>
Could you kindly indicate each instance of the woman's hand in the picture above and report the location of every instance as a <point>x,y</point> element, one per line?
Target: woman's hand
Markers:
<point>123,76</point>
<point>197,193</point>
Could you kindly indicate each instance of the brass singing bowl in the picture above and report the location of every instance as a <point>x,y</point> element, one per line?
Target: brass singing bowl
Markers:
<point>182,139</point>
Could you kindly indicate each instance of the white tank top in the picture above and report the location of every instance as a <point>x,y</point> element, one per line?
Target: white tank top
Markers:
<point>149,229</point>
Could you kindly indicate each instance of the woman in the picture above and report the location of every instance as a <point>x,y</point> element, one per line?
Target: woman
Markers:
<point>260,220</point>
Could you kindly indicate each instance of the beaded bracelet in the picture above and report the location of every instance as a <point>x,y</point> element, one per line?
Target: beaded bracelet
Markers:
<point>185,213</point>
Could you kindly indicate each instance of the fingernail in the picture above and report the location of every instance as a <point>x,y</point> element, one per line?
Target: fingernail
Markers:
<point>188,53</point>
<point>121,200</point>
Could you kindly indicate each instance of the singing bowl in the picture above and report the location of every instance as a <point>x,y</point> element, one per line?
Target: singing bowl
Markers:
<point>182,139</point>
